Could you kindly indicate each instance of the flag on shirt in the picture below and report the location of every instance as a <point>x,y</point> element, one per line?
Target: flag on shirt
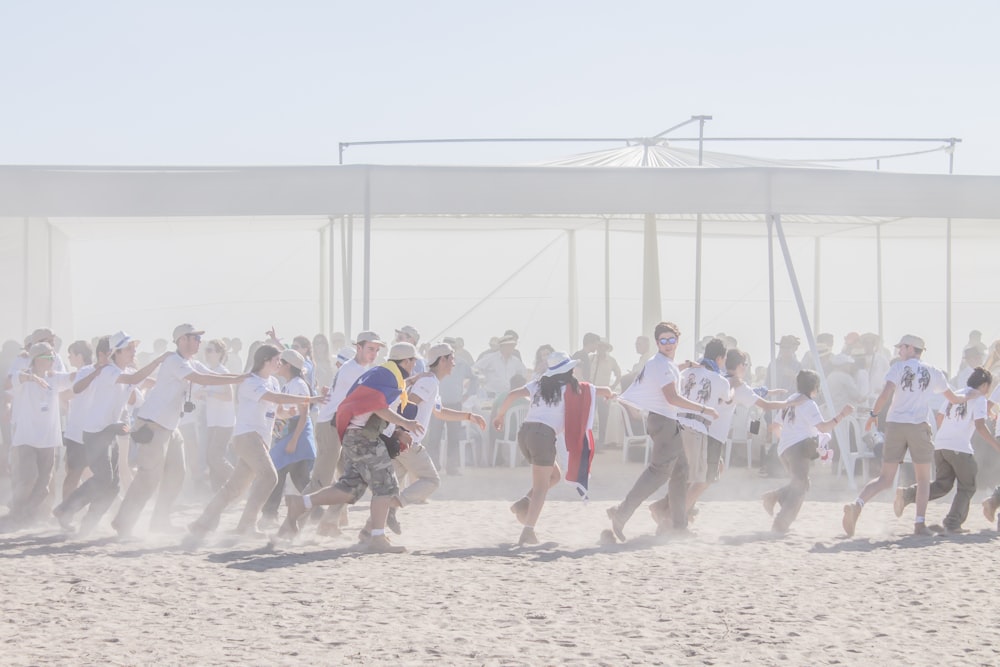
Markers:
<point>579,433</point>
<point>376,389</point>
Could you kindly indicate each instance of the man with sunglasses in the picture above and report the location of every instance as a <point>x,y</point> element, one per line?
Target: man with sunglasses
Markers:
<point>160,446</point>
<point>910,386</point>
<point>656,390</point>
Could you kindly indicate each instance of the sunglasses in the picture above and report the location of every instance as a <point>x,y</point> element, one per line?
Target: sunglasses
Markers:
<point>668,341</point>
<point>197,337</point>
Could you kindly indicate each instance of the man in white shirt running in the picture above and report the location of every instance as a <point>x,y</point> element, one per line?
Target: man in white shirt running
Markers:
<point>909,388</point>
<point>656,390</point>
<point>954,458</point>
<point>160,447</point>
<point>415,461</point>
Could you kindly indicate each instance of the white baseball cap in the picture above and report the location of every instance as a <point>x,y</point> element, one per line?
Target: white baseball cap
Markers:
<point>401,351</point>
<point>185,330</point>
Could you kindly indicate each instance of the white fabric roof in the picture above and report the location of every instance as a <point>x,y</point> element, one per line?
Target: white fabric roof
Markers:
<point>392,190</point>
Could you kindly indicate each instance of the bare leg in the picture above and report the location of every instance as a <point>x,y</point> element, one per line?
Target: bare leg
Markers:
<point>922,471</point>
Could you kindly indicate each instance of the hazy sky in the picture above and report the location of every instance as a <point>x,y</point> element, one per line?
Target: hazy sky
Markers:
<point>249,82</point>
<point>282,83</point>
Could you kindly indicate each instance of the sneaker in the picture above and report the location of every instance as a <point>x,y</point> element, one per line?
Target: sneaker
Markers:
<point>990,506</point>
<point>899,503</point>
<point>527,537</point>
<point>922,529</point>
<point>65,519</point>
<point>660,510</point>
<point>520,509</point>
<point>769,500</point>
<point>392,523</point>
<point>617,525</point>
<point>380,544</point>
<point>851,514</point>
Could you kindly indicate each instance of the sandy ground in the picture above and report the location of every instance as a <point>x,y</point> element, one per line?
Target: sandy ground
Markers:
<point>464,594</point>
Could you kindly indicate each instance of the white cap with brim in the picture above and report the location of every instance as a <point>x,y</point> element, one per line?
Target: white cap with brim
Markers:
<point>182,330</point>
<point>438,351</point>
<point>913,341</point>
<point>559,362</point>
<point>369,337</point>
<point>346,354</point>
<point>401,351</point>
<point>293,358</point>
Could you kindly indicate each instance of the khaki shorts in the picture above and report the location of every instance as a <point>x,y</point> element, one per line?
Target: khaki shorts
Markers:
<point>915,437</point>
<point>538,443</point>
<point>696,451</point>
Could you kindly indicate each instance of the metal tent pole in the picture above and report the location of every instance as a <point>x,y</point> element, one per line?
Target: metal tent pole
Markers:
<point>773,380</point>
<point>347,269</point>
<point>367,290</point>
<point>878,281</point>
<point>607,278</point>
<point>573,290</point>
<point>651,304</point>
<point>803,314</point>
<point>817,252</point>
<point>697,282</point>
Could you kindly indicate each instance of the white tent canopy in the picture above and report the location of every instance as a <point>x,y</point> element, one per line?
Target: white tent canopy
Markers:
<point>41,205</point>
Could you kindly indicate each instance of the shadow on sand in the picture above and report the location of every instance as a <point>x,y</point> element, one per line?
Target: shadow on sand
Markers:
<point>906,542</point>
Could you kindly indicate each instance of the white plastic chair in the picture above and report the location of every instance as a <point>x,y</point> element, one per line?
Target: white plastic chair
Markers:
<point>739,433</point>
<point>512,423</point>
<point>847,429</point>
<point>468,442</point>
<point>631,439</point>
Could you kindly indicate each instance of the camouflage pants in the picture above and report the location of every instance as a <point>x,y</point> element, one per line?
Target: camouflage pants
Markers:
<point>366,463</point>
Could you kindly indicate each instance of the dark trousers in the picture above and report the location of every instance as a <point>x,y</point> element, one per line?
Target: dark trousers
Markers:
<point>101,489</point>
<point>949,467</point>
<point>299,472</point>
<point>667,465</point>
<point>797,460</point>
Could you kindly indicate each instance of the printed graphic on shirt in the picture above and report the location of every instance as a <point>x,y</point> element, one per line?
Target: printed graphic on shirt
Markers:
<point>923,382</point>
<point>704,390</point>
<point>956,411</point>
<point>788,415</point>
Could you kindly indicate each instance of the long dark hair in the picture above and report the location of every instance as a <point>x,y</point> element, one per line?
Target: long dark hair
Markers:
<point>550,387</point>
<point>262,355</point>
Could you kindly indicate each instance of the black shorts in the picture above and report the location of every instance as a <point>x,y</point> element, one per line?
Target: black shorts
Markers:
<point>76,454</point>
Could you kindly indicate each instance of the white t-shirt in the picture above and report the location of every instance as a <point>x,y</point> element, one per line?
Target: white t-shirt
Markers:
<point>165,400</point>
<point>707,387</point>
<point>220,408</point>
<point>35,413</point>
<point>108,401</point>
<point>427,389</point>
<point>342,383</point>
<point>916,384</point>
<point>253,413</point>
<point>798,422</point>
<point>646,392</point>
<point>742,395</point>
<point>79,405</point>
<point>541,412</point>
<point>959,423</point>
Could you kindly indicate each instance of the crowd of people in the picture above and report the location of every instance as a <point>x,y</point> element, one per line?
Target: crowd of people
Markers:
<point>298,424</point>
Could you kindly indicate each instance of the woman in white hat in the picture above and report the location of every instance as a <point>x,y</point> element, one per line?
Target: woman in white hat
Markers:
<point>546,418</point>
<point>294,450</point>
<point>258,399</point>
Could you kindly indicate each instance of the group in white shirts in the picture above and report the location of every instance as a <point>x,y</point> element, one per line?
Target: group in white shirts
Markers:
<point>280,431</point>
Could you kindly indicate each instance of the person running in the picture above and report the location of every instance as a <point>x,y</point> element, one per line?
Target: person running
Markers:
<point>909,387</point>
<point>81,358</point>
<point>328,447</point>
<point>701,382</point>
<point>550,397</point>
<point>415,462</point>
<point>258,399</point>
<point>220,415</point>
<point>362,417</point>
<point>954,458</point>
<point>657,390</point>
<point>294,450</point>
<point>112,387</point>
<point>35,432</point>
<point>159,445</point>
<point>801,426</point>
